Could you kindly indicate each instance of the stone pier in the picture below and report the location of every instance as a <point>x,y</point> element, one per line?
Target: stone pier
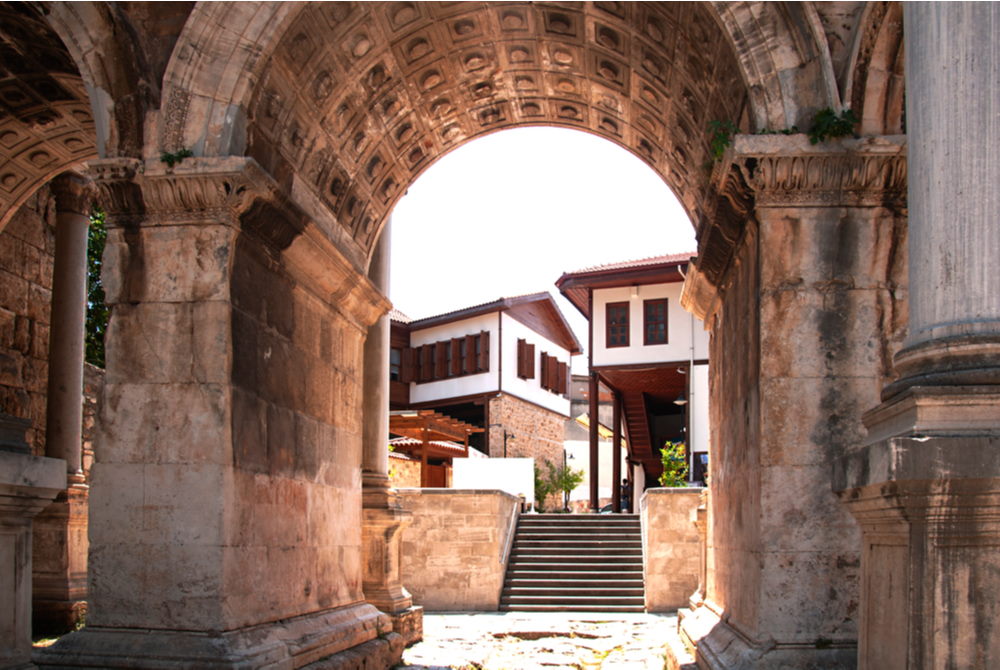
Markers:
<point>924,483</point>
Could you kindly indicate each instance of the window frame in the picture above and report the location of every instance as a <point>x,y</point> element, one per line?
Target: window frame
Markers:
<point>608,307</point>
<point>646,322</point>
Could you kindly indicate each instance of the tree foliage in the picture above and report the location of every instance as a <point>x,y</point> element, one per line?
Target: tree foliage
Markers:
<point>675,468</point>
<point>564,479</point>
<point>97,310</point>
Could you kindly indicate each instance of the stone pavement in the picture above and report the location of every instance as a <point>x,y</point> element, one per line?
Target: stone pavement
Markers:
<point>551,640</point>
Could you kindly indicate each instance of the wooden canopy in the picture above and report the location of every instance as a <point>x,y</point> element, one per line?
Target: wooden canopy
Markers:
<point>429,426</point>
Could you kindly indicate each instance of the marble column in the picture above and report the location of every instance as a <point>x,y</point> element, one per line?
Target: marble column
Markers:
<point>60,531</point>
<point>925,483</point>
<point>384,519</point>
<point>64,412</point>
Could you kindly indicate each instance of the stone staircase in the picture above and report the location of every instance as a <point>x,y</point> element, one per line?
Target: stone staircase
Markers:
<point>575,563</point>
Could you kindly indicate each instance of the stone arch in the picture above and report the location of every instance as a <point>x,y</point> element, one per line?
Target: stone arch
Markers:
<point>876,88</point>
<point>47,126</point>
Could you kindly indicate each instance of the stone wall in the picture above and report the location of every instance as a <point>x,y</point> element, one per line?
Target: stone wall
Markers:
<point>538,432</point>
<point>404,473</point>
<point>671,547</point>
<point>454,553</point>
<point>27,252</point>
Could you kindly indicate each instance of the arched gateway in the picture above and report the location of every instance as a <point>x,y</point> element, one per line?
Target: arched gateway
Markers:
<point>248,156</point>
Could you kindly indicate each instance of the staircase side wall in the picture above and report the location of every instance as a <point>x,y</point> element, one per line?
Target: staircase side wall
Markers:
<point>671,549</point>
<point>453,552</point>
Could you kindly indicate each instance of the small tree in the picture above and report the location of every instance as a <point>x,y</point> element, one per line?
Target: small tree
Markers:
<point>675,468</point>
<point>543,487</point>
<point>564,479</point>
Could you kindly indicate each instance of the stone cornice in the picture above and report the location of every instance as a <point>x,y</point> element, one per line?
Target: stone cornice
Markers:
<point>196,190</point>
<point>236,191</point>
<point>788,171</point>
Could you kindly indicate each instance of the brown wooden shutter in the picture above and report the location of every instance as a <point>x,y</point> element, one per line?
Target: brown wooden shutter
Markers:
<point>408,365</point>
<point>441,360</point>
<point>562,378</point>
<point>470,354</point>
<point>544,364</point>
<point>484,352</point>
<point>552,363</point>
<point>525,360</point>
<point>455,366</point>
<point>427,363</point>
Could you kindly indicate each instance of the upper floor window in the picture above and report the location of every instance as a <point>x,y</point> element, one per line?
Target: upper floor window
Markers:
<point>654,321</point>
<point>395,364</point>
<point>616,314</point>
<point>445,359</point>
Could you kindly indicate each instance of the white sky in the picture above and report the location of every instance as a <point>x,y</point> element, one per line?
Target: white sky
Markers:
<point>508,213</point>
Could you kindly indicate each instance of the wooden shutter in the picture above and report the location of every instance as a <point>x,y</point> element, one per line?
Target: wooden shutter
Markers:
<point>525,360</point>
<point>426,363</point>
<point>455,365</point>
<point>470,354</point>
<point>552,363</point>
<point>484,352</point>
<point>561,380</point>
<point>408,366</point>
<point>441,360</point>
<point>544,365</point>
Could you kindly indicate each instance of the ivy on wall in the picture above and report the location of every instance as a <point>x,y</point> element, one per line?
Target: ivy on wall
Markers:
<point>97,311</point>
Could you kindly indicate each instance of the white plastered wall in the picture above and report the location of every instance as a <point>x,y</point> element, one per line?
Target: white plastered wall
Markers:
<point>681,327</point>
<point>531,389</point>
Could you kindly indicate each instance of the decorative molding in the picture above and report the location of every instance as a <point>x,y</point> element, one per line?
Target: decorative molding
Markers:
<point>787,171</point>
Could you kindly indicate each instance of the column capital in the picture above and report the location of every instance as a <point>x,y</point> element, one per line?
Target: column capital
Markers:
<point>788,171</point>
<point>73,193</point>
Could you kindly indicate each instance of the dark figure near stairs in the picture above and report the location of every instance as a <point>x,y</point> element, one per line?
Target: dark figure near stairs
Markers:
<point>626,495</point>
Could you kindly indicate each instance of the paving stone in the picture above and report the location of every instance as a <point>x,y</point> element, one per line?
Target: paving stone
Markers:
<point>550,640</point>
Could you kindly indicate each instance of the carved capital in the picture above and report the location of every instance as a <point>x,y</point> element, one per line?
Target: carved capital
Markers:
<point>73,193</point>
<point>787,171</point>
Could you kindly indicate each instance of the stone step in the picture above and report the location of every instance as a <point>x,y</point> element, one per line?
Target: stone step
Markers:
<point>595,543</point>
<point>591,571</point>
<point>527,607</point>
<point>580,583</point>
<point>595,601</point>
<point>559,592</point>
<point>585,554</point>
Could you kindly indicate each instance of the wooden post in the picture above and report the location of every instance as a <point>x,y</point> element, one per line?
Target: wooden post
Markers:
<point>616,453</point>
<point>423,456</point>
<point>594,423</point>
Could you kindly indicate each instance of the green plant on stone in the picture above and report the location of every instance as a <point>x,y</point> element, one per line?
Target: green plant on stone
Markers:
<point>176,157</point>
<point>675,468</point>
<point>97,310</point>
<point>828,124</point>
<point>720,136</point>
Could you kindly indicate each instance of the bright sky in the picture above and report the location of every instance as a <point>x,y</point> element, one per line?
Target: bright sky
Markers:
<point>508,213</point>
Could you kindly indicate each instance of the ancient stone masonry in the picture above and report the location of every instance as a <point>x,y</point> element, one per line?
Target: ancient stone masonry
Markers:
<point>242,292</point>
<point>27,252</point>
<point>823,256</point>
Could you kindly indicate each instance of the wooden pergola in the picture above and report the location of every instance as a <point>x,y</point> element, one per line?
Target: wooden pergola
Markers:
<point>429,426</point>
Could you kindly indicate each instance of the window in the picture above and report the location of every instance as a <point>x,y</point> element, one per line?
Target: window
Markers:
<point>442,360</point>
<point>654,321</point>
<point>395,364</point>
<point>616,314</point>
<point>525,360</point>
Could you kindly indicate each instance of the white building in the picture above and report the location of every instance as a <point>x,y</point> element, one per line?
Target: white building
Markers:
<point>502,366</point>
<point>651,354</point>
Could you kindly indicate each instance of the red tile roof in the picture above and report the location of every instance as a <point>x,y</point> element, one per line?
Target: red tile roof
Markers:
<point>641,262</point>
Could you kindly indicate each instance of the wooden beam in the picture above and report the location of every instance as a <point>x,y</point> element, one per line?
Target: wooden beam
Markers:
<point>616,452</point>
<point>594,406</point>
